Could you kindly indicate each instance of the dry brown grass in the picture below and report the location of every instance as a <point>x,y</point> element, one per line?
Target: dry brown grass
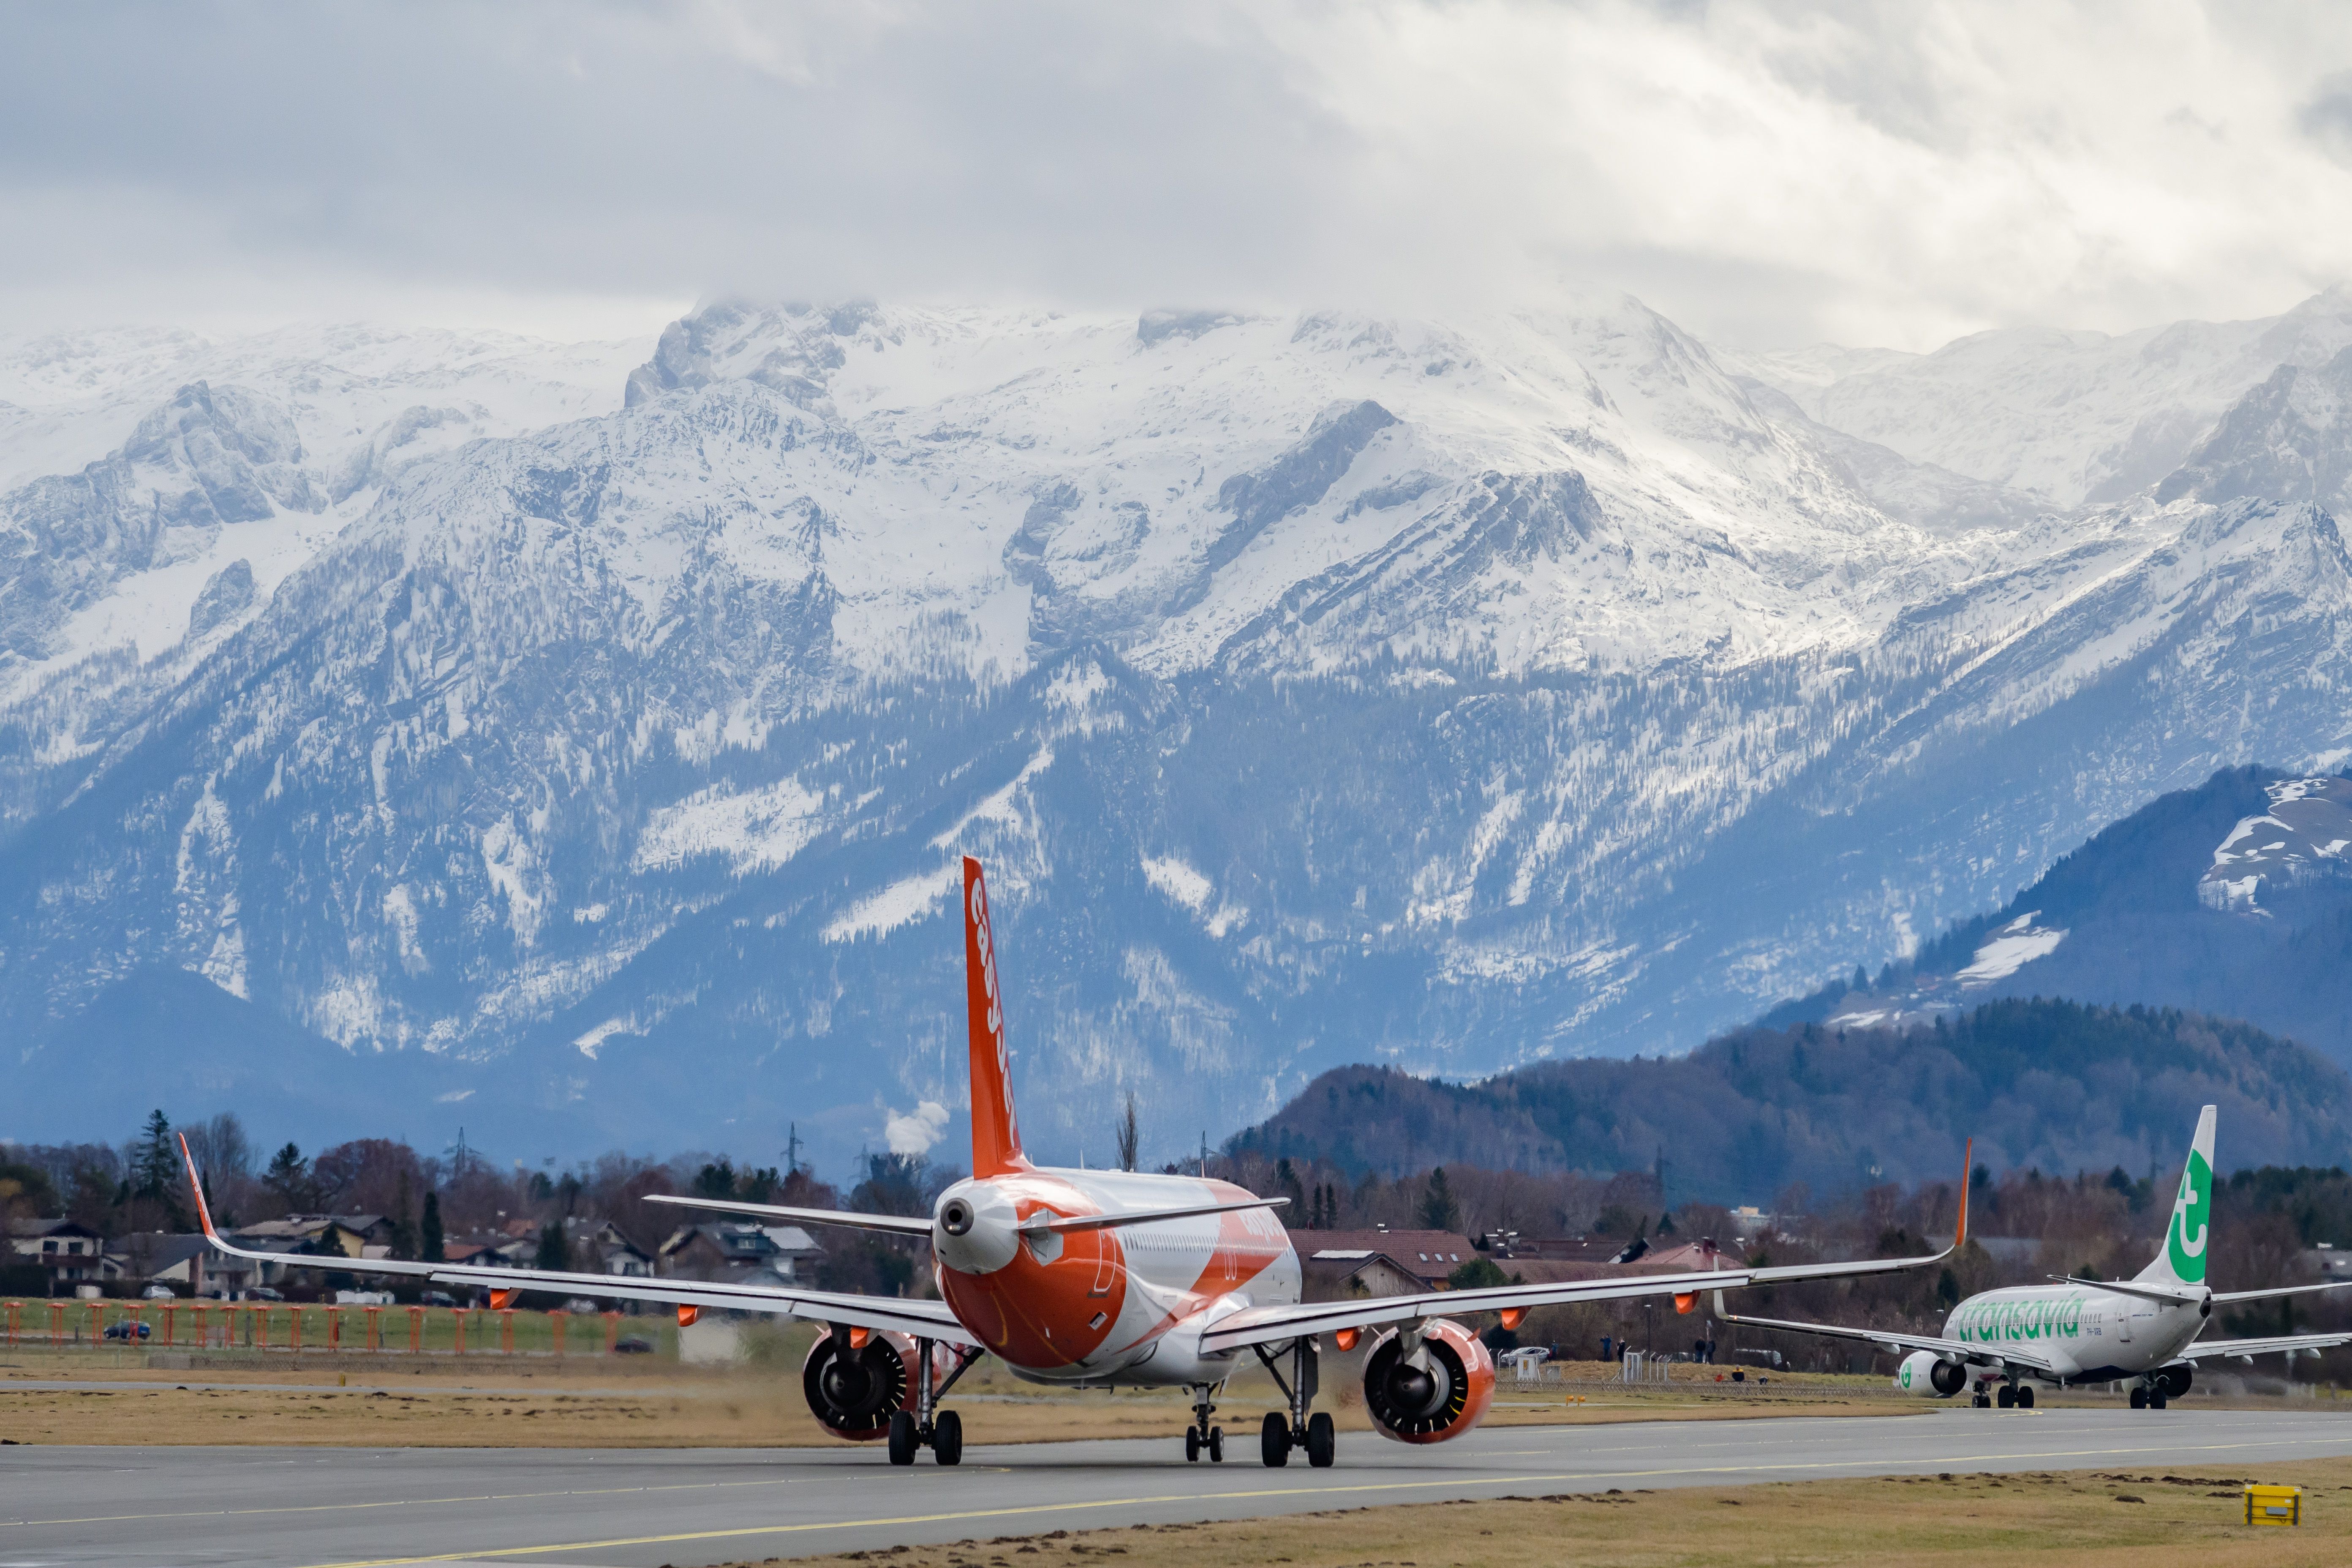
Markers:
<point>2082,1519</point>
<point>646,1402</point>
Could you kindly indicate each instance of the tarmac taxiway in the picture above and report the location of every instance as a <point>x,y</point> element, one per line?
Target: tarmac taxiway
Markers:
<point>284,1507</point>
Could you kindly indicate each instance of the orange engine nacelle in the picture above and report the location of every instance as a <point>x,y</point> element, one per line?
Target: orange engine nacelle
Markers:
<point>853,1395</point>
<point>1447,1399</point>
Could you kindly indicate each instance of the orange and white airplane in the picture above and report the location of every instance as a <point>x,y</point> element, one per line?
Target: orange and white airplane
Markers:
<point>1097,1279</point>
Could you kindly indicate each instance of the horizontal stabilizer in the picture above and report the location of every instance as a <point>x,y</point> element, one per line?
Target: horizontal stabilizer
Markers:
<point>2221,1297</point>
<point>1057,1226</point>
<point>904,1225</point>
<point>2164,1295</point>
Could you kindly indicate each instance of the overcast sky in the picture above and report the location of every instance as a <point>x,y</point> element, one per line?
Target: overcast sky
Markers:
<point>1767,174</point>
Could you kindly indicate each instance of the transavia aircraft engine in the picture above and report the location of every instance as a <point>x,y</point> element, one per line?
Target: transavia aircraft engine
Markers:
<point>1096,1279</point>
<point>1930,1377</point>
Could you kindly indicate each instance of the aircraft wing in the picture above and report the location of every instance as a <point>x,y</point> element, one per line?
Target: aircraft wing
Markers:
<point>1270,1325</point>
<point>925,1320</point>
<point>2246,1350</point>
<point>1266,1325</point>
<point>1900,1343</point>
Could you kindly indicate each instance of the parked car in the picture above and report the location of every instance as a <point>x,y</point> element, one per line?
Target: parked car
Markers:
<point>127,1330</point>
<point>579,1304</point>
<point>263,1293</point>
<point>160,1293</point>
<point>438,1298</point>
<point>635,1345</point>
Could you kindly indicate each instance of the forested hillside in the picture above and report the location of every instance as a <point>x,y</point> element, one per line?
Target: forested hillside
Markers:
<point>2234,898</point>
<point>2051,1084</point>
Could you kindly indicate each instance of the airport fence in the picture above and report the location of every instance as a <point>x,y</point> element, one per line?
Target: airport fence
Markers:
<point>297,1328</point>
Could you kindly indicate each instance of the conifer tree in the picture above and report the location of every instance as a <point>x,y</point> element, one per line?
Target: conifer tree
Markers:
<point>429,1240</point>
<point>1440,1210</point>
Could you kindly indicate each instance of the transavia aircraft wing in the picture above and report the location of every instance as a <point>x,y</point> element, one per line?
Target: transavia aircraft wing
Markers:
<point>2247,1349</point>
<point>924,1319</point>
<point>1268,1325</point>
<point>1900,1343</point>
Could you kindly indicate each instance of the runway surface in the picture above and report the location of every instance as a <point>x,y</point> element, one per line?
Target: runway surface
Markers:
<point>282,1508</point>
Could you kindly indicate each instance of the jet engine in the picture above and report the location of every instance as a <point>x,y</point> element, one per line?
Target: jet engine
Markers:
<point>1437,1387</point>
<point>853,1392</point>
<point>1929,1376</point>
<point>2172,1381</point>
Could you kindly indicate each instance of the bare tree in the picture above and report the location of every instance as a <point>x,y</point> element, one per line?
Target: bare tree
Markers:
<point>1129,1140</point>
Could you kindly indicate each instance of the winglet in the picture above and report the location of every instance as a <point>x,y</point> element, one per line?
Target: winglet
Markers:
<point>1967,1173</point>
<point>204,1211</point>
<point>995,1130</point>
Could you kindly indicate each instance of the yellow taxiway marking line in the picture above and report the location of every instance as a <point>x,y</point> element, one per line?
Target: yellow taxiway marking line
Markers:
<point>479,1553</point>
<point>439,1501</point>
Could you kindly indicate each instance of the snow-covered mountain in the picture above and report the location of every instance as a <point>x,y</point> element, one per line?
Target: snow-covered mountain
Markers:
<point>576,743</point>
<point>2071,418</point>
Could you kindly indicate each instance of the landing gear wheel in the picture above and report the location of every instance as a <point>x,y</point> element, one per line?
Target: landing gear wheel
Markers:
<point>903,1438</point>
<point>2025,1397</point>
<point>1982,1402</point>
<point>2156,1399</point>
<point>2139,1399</point>
<point>2005,1397</point>
<point>1273,1440</point>
<point>947,1439</point>
<point>1216,1444</point>
<point>1322,1440</point>
<point>1193,1445</point>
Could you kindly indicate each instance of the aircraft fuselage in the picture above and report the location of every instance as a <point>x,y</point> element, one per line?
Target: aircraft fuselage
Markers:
<point>1123,1305</point>
<point>2090,1335</point>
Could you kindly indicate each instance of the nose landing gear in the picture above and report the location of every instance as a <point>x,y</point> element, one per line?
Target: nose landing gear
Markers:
<point>1201,1437</point>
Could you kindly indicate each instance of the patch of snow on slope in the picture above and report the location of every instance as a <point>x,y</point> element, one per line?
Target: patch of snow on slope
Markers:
<point>999,806</point>
<point>903,903</point>
<point>2303,835</point>
<point>592,1042</point>
<point>2012,947</point>
<point>756,830</point>
<point>1178,881</point>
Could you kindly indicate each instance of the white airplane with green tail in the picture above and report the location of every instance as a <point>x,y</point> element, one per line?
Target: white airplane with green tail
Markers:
<point>2142,1330</point>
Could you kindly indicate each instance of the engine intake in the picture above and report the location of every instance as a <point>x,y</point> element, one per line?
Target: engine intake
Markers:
<point>1929,1376</point>
<point>1439,1393</point>
<point>2172,1381</point>
<point>854,1392</point>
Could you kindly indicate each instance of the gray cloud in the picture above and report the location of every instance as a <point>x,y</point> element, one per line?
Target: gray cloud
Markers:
<point>2326,117</point>
<point>1764,171</point>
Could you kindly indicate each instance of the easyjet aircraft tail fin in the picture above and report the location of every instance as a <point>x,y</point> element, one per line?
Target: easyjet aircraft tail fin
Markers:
<point>1967,1175</point>
<point>995,1130</point>
<point>2181,1259</point>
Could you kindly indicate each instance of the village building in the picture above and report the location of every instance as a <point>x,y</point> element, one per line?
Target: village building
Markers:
<point>72,1253</point>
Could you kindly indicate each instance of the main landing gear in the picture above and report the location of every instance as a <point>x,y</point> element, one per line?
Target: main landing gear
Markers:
<point>1200,1435</point>
<point>1281,1433</point>
<point>2011,1395</point>
<point>940,1431</point>
<point>2147,1398</point>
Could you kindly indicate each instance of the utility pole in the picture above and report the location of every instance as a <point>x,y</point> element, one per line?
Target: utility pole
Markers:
<point>1204,1152</point>
<point>793,1150</point>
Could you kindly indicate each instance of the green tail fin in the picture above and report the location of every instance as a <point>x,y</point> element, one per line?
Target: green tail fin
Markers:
<point>2181,1260</point>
